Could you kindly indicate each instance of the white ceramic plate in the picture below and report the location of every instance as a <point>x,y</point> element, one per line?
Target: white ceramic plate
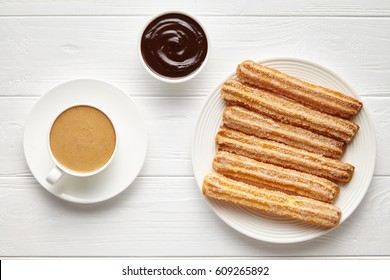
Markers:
<point>129,126</point>
<point>360,153</point>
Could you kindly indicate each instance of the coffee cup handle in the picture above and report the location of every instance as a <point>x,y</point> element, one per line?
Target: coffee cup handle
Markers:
<point>54,176</point>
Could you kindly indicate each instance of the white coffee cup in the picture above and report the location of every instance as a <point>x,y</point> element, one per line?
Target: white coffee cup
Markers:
<point>59,170</point>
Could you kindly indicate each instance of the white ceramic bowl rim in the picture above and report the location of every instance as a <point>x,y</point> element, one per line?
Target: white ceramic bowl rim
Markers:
<point>169,79</point>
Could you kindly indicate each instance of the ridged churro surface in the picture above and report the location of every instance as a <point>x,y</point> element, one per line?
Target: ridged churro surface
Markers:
<point>283,179</point>
<point>287,111</point>
<point>249,122</point>
<point>282,155</point>
<point>272,202</point>
<point>317,97</point>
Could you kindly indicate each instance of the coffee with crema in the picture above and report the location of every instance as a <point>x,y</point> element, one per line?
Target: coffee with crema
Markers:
<point>82,139</point>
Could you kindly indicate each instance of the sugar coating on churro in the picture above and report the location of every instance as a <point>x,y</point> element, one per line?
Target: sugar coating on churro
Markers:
<point>282,155</point>
<point>283,179</point>
<point>317,97</point>
<point>253,123</point>
<point>290,112</point>
<point>272,202</point>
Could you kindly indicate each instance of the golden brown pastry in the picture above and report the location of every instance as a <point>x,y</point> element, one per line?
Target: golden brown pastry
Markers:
<point>272,202</point>
<point>279,178</point>
<point>249,122</point>
<point>282,155</point>
<point>317,97</point>
<point>290,112</point>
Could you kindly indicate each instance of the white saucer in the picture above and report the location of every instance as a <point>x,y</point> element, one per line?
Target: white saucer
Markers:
<point>129,125</point>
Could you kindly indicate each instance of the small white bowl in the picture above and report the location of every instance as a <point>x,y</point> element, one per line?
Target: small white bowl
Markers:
<point>170,79</point>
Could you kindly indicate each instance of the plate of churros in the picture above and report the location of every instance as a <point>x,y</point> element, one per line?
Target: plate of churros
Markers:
<point>284,150</point>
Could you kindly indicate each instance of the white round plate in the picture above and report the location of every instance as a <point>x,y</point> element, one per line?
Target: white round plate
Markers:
<point>360,153</point>
<point>129,126</point>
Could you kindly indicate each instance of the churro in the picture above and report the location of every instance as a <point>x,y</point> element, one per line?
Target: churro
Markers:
<point>282,155</point>
<point>249,122</point>
<point>317,97</point>
<point>290,112</point>
<point>299,208</point>
<point>279,178</point>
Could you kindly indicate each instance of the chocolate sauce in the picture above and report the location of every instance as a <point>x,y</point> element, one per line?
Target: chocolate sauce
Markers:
<point>174,45</point>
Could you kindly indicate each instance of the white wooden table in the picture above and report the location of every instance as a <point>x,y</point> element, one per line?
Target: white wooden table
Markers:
<point>44,43</point>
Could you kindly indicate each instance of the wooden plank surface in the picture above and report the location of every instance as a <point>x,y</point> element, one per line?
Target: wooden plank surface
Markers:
<point>201,7</point>
<point>165,217</point>
<point>44,43</point>
<point>40,52</point>
<point>171,123</point>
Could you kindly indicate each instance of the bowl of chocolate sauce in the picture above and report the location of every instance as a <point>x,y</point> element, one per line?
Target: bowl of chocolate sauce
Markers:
<point>173,47</point>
